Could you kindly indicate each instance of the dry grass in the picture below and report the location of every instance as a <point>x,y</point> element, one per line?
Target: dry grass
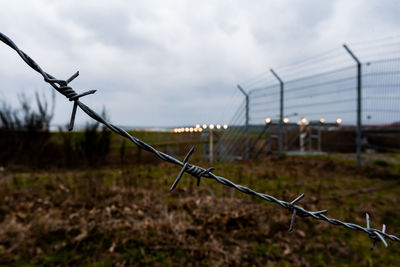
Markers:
<point>129,217</point>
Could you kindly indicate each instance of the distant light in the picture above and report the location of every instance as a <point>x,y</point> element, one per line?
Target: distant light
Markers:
<point>186,129</point>
<point>286,120</point>
<point>339,121</point>
<point>197,125</point>
<point>204,126</point>
<point>268,120</point>
<point>218,126</point>
<point>196,129</point>
<point>211,126</point>
<point>225,126</point>
<point>191,129</point>
<point>303,120</point>
<point>322,120</point>
<point>200,129</point>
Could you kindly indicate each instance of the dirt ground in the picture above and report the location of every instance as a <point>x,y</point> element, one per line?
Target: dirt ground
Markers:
<point>127,216</point>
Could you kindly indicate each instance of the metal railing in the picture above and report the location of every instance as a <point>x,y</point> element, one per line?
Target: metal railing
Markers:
<point>197,172</point>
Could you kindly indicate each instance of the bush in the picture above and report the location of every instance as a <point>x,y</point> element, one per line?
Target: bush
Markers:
<point>95,144</point>
<point>24,131</point>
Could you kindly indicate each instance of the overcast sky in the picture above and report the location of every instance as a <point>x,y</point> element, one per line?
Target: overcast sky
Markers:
<point>170,63</point>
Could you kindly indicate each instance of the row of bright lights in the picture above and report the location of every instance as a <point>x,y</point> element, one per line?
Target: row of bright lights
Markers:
<point>268,120</point>
<point>303,120</point>
<point>199,129</point>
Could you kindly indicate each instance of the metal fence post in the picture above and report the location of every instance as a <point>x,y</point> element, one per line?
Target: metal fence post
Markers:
<point>280,143</point>
<point>359,130</point>
<point>319,139</point>
<point>211,145</point>
<point>246,153</point>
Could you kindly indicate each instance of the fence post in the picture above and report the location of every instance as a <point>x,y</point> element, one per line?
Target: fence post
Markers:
<point>246,153</point>
<point>359,130</point>
<point>280,143</point>
<point>211,143</point>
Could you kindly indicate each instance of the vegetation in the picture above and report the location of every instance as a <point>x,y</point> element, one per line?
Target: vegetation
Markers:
<point>127,216</point>
<point>25,129</point>
<point>26,118</point>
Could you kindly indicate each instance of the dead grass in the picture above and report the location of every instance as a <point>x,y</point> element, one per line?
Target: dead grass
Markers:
<point>128,217</point>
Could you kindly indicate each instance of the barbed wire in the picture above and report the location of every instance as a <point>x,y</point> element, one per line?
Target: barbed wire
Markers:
<point>197,172</point>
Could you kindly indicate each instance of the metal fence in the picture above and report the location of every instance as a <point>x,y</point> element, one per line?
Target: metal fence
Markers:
<point>362,93</point>
<point>197,172</point>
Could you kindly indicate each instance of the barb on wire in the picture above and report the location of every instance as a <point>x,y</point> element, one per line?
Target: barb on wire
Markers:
<point>185,166</point>
<point>197,172</point>
<point>375,235</point>
<point>297,211</point>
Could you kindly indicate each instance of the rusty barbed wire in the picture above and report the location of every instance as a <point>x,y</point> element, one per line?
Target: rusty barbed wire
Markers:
<point>197,172</point>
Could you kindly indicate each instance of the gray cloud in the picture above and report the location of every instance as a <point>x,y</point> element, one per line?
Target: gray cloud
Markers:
<point>173,62</point>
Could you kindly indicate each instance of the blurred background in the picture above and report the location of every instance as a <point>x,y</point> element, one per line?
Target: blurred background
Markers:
<point>281,97</point>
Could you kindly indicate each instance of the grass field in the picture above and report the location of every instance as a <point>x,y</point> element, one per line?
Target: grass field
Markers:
<point>128,216</point>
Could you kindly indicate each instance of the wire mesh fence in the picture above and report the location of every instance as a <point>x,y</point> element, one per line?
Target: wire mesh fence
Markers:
<point>197,172</point>
<point>319,105</point>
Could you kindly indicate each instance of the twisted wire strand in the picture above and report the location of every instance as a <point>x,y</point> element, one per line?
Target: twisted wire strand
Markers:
<point>197,172</point>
